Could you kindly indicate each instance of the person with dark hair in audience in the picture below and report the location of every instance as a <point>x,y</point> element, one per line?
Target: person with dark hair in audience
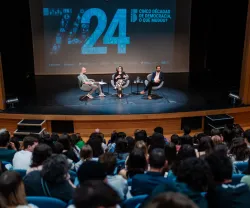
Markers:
<point>22,159</point>
<point>176,140</point>
<point>58,148</point>
<point>86,154</point>
<point>16,142</point>
<point>90,171</point>
<point>96,144</point>
<point>12,191</point>
<point>171,200</point>
<point>246,177</point>
<point>140,136</point>
<point>205,146</point>
<point>225,194</point>
<point>68,151</point>
<point>77,140</point>
<point>52,181</point>
<point>193,178</point>
<point>238,131</point>
<point>247,137</point>
<point>136,164</point>
<point>186,138</point>
<point>228,135</point>
<point>239,151</point>
<point>112,142</point>
<point>170,154</point>
<point>121,149</point>
<point>54,137</point>
<point>40,154</point>
<point>117,182</point>
<point>6,154</point>
<point>160,130</point>
<point>2,168</point>
<point>157,141</point>
<point>145,183</point>
<point>131,143</point>
<point>186,151</point>
<point>95,194</point>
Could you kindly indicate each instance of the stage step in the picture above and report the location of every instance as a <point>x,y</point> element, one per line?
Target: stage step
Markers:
<point>217,122</point>
<point>29,127</point>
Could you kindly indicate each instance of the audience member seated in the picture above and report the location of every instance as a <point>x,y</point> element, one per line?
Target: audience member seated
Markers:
<point>77,140</point>
<point>86,154</point>
<point>117,182</point>
<point>145,183</point>
<point>68,151</point>
<point>160,130</point>
<point>170,154</point>
<point>52,181</point>
<point>239,152</point>
<point>246,178</point>
<point>112,142</point>
<point>91,170</point>
<point>95,194</point>
<point>41,153</point>
<point>247,137</point>
<point>16,143</point>
<point>186,134</point>
<point>157,141</point>
<point>121,149</point>
<point>2,168</point>
<point>22,159</point>
<point>95,141</point>
<point>131,143</point>
<point>176,140</point>
<point>193,178</point>
<point>7,148</point>
<point>12,191</point>
<point>224,194</point>
<point>205,146</point>
<point>140,135</point>
<point>136,164</point>
<point>171,200</point>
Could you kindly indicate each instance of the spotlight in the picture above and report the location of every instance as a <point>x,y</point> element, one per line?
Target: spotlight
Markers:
<point>234,98</point>
<point>11,102</point>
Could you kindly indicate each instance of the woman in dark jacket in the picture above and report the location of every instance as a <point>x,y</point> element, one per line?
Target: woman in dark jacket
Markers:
<point>119,80</point>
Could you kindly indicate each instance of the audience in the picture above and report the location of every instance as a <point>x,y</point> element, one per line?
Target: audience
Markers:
<point>53,180</point>
<point>239,151</point>
<point>246,178</point>
<point>86,154</point>
<point>23,158</point>
<point>145,183</point>
<point>117,182</point>
<point>7,148</point>
<point>12,191</point>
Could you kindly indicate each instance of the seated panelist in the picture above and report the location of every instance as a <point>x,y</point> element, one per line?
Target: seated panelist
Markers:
<point>120,80</point>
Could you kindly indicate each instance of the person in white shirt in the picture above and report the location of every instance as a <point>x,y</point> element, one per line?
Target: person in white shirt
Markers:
<point>157,78</point>
<point>22,159</point>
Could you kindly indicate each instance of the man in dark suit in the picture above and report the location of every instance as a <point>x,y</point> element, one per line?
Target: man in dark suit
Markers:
<point>156,79</point>
<point>145,183</point>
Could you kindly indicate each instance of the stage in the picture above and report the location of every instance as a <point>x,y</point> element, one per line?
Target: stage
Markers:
<point>59,95</point>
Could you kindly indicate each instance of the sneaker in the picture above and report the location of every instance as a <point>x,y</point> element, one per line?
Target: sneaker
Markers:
<point>142,92</point>
<point>90,96</point>
<point>102,95</point>
<point>149,97</point>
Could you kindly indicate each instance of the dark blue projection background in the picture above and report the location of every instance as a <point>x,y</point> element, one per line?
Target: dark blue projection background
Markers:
<point>102,35</point>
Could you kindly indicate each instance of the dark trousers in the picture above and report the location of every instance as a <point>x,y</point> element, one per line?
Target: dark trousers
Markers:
<point>150,85</point>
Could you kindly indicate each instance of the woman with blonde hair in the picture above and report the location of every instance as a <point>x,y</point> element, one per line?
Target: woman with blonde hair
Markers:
<point>12,191</point>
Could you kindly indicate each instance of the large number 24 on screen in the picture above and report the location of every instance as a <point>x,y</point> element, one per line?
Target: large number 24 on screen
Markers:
<point>119,20</point>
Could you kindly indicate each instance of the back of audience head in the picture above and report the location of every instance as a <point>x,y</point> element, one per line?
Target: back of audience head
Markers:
<point>113,137</point>
<point>217,139</point>
<point>228,135</point>
<point>186,130</point>
<point>75,138</point>
<point>239,149</point>
<point>157,159</point>
<point>215,132</point>
<point>170,153</point>
<point>159,130</point>
<point>91,170</point>
<point>141,135</point>
<point>95,194</point>
<point>86,153</point>
<point>55,169</point>
<point>157,141</point>
<point>121,145</point>
<point>121,135</point>
<point>29,143</point>
<point>175,139</point>
<point>206,145</point>
<point>186,139</point>
<point>136,163</point>
<point>221,167</point>
<point>12,189</point>
<point>54,137</point>
<point>171,200</point>
<point>4,138</point>
<point>142,145</point>
<point>195,172</point>
<point>40,154</point>
<point>58,148</point>
<point>186,151</point>
<point>16,142</point>
<point>221,149</point>
<point>238,131</point>
<point>96,146</point>
<point>64,139</point>
<point>131,143</point>
<point>109,161</point>
<point>197,137</point>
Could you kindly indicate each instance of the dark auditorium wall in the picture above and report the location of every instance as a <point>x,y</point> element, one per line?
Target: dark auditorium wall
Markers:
<point>16,49</point>
<point>217,41</point>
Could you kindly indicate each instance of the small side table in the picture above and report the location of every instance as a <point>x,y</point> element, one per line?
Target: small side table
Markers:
<point>137,83</point>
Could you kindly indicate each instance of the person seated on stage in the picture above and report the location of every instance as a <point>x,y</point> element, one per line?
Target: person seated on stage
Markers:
<point>119,80</point>
<point>157,78</point>
<point>91,83</point>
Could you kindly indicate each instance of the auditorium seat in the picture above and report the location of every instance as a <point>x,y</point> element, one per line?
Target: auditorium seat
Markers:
<point>133,202</point>
<point>242,166</point>
<point>45,202</point>
<point>236,178</point>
